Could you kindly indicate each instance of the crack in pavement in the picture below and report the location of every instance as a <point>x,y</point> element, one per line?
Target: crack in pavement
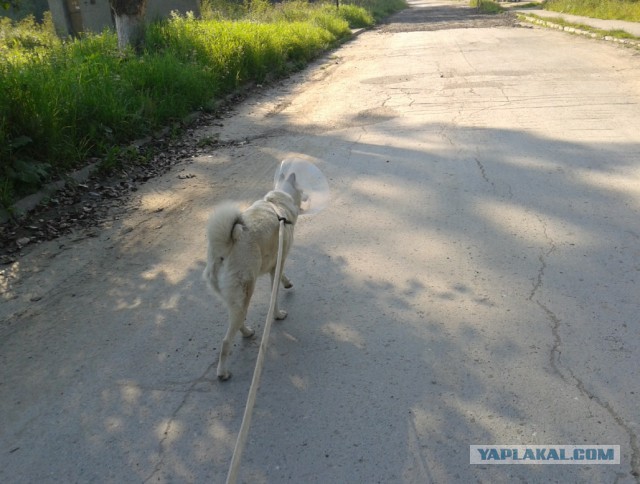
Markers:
<point>501,189</point>
<point>555,351</point>
<point>633,438</point>
<point>482,171</point>
<point>566,373</point>
<point>162,448</point>
<point>542,258</point>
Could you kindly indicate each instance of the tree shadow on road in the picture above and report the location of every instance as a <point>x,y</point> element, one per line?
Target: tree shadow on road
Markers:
<point>418,294</point>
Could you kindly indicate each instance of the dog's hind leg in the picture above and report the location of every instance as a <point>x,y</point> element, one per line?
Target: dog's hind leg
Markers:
<point>237,316</point>
<point>236,322</point>
<point>286,283</point>
<point>279,313</point>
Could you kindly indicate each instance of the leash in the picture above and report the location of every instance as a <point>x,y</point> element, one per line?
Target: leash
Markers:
<point>232,476</point>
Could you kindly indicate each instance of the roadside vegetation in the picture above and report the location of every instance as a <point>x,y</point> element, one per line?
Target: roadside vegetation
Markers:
<point>63,101</point>
<point>486,6</point>
<point>602,9</point>
<point>608,10</point>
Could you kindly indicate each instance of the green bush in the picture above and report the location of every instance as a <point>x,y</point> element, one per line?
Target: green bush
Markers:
<point>487,6</point>
<point>378,9</point>
<point>27,35</point>
<point>356,17</point>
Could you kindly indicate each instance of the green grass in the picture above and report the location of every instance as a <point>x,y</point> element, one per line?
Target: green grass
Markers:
<point>377,8</point>
<point>61,102</point>
<point>487,6</point>
<point>603,9</point>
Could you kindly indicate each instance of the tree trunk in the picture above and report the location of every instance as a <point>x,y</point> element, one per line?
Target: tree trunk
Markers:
<point>129,17</point>
<point>130,30</point>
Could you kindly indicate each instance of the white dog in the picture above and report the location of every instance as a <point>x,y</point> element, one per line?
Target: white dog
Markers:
<point>244,245</point>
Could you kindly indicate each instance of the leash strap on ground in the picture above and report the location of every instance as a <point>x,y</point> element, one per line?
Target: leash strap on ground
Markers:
<point>232,476</point>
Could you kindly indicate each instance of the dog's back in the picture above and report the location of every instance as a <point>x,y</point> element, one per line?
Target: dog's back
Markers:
<point>242,244</point>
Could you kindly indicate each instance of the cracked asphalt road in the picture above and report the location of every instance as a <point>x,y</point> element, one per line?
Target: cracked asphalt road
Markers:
<point>474,280</point>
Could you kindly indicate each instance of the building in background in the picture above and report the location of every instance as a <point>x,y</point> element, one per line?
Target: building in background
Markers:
<point>72,17</point>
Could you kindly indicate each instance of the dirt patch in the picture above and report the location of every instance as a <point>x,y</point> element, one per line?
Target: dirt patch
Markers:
<point>103,197</point>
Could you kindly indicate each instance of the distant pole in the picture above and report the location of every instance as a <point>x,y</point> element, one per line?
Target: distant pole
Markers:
<point>337,4</point>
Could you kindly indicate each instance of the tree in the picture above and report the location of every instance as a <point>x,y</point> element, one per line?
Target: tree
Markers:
<point>129,17</point>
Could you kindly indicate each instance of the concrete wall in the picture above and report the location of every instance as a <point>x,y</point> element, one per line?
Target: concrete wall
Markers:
<point>72,17</point>
<point>96,15</point>
<point>162,8</point>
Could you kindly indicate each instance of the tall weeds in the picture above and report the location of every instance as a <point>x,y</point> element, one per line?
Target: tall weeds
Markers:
<point>61,102</point>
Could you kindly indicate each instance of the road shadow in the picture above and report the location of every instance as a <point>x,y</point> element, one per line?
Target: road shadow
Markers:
<point>394,373</point>
<point>381,371</point>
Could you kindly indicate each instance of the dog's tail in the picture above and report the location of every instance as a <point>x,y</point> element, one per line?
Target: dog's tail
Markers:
<point>223,230</point>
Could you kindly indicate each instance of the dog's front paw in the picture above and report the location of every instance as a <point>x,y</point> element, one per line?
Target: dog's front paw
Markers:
<point>247,332</point>
<point>286,282</point>
<point>281,314</point>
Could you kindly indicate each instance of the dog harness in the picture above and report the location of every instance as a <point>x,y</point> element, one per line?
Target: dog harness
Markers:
<point>277,212</point>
